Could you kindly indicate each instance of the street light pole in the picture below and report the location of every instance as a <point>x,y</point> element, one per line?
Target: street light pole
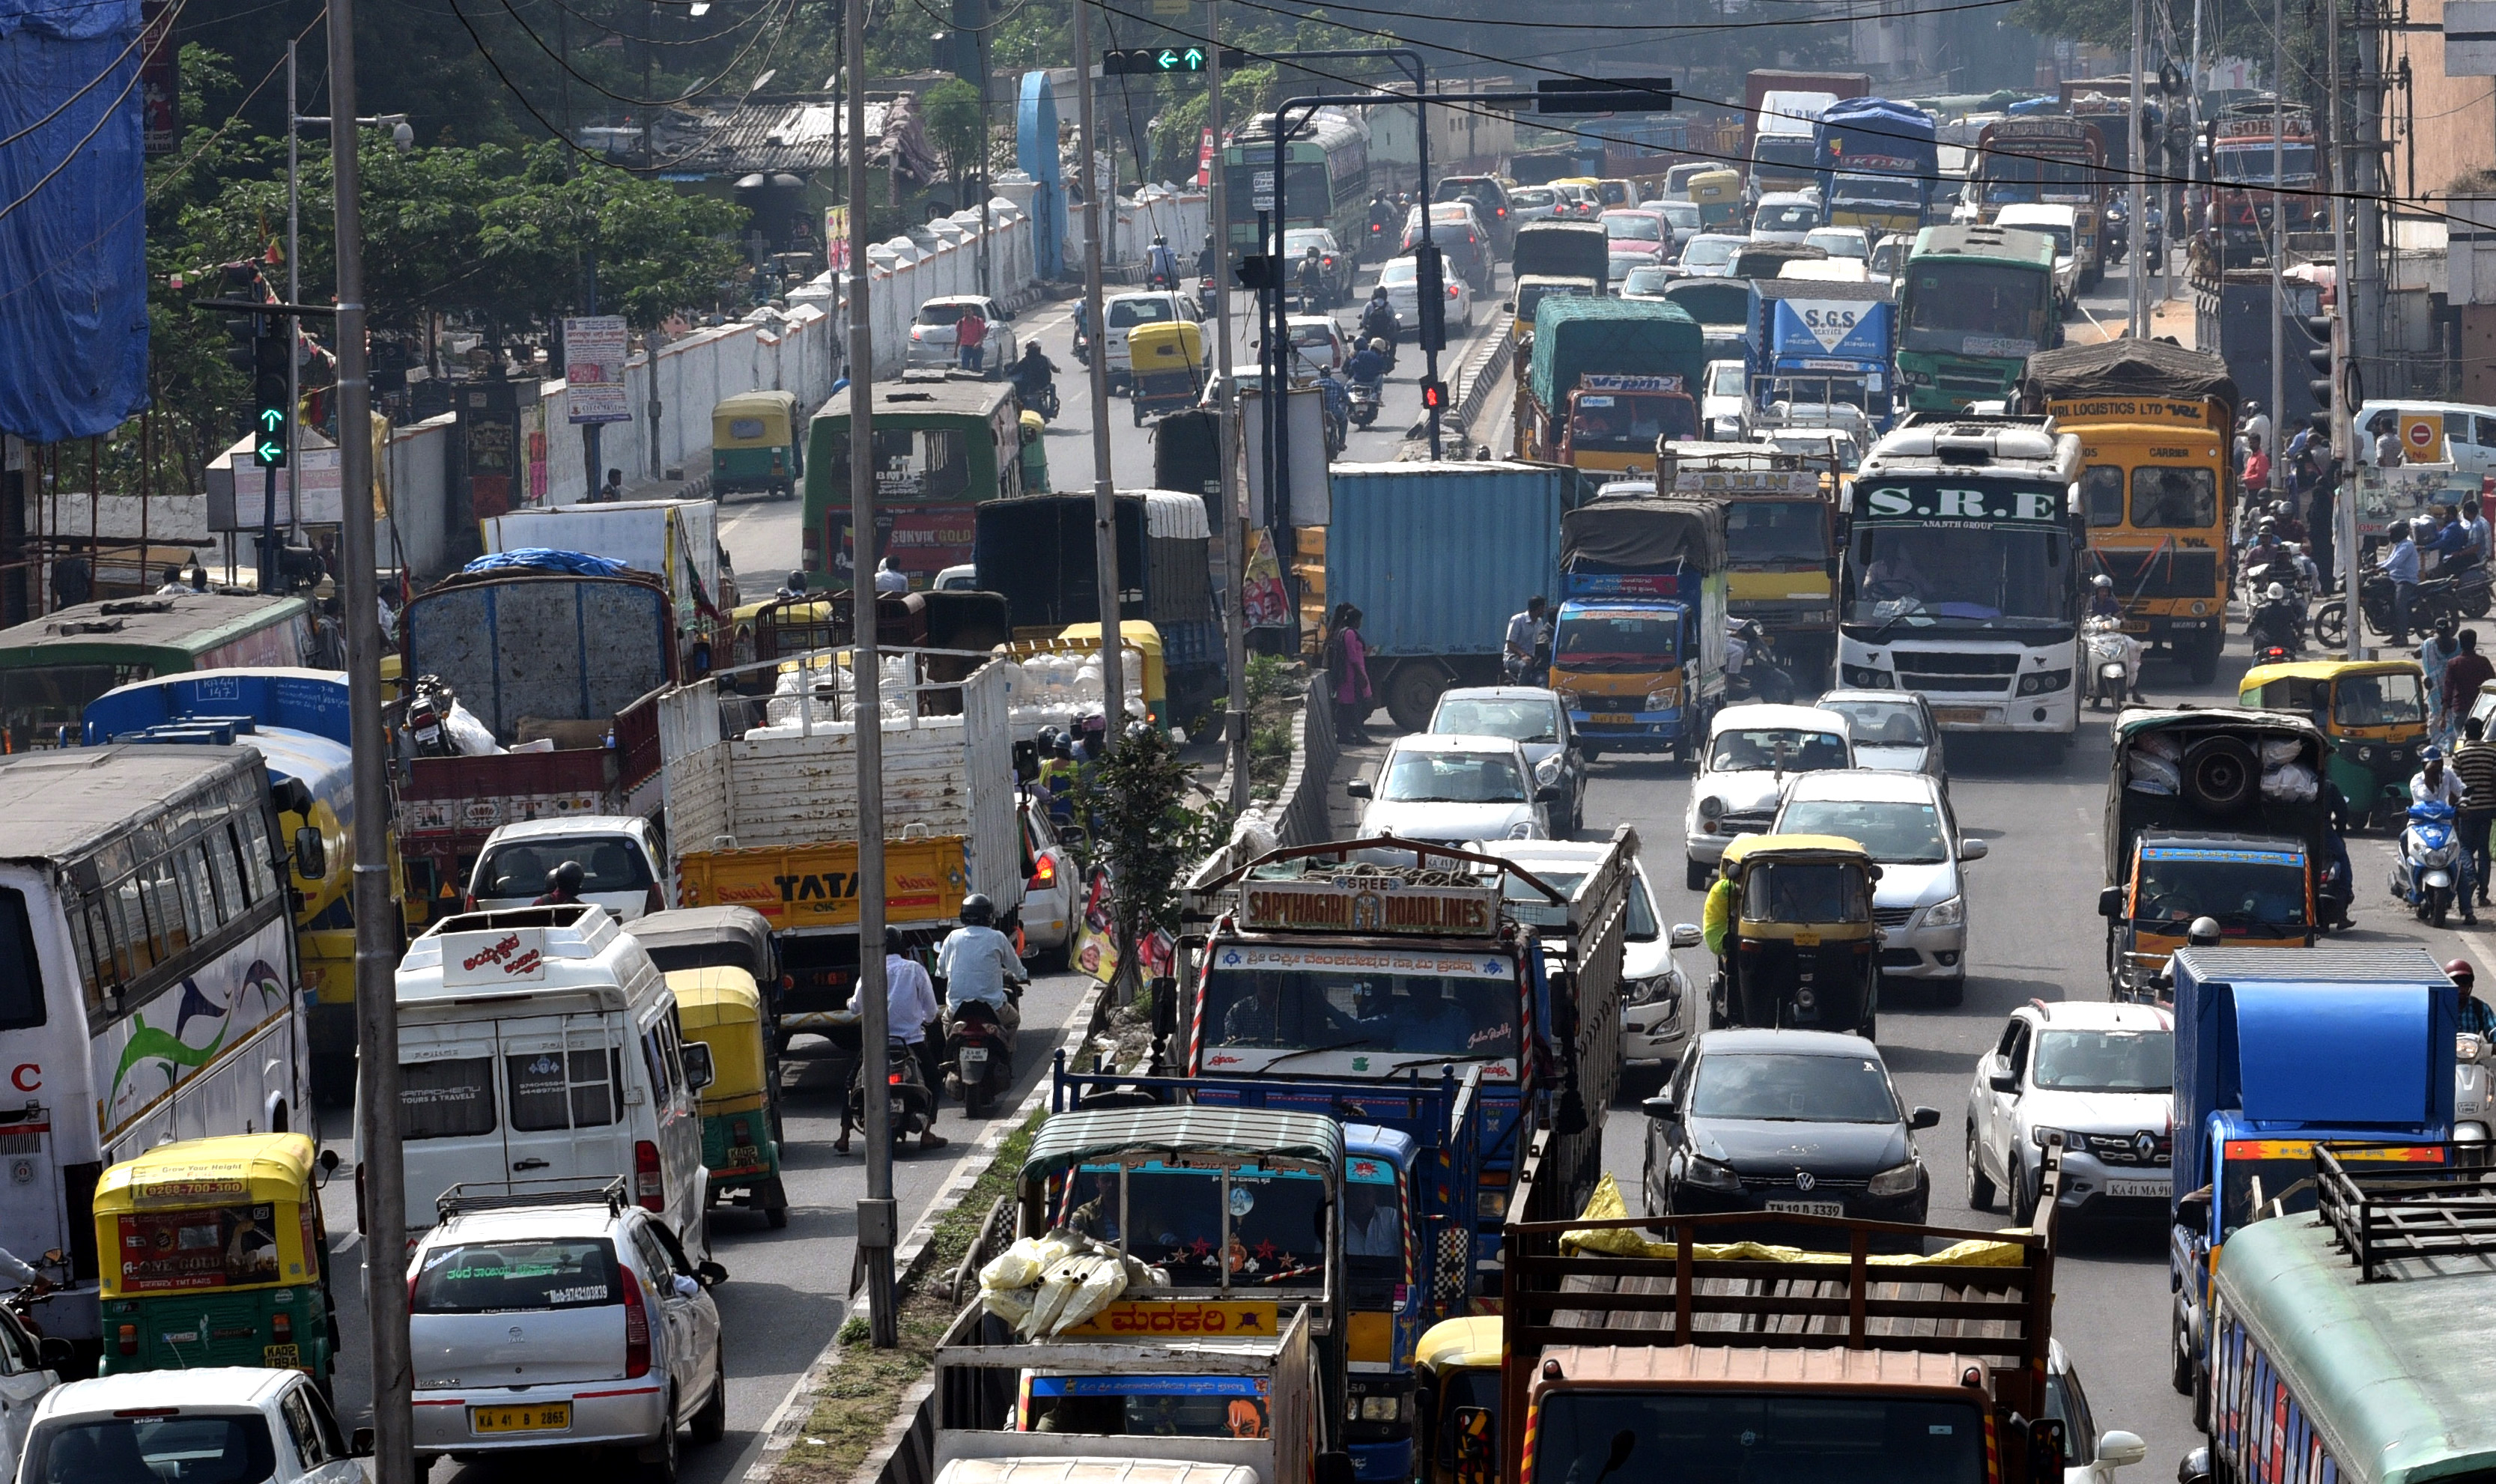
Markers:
<point>293,296</point>
<point>2137,288</point>
<point>2279,242</point>
<point>1104,498</point>
<point>1235,540</point>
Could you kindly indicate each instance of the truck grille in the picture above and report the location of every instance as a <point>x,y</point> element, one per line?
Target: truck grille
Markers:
<point>1985,675</point>
<point>2163,574</point>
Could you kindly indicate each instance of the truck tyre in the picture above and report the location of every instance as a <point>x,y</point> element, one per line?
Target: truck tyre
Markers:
<point>2221,776</point>
<point>2205,658</point>
<point>1413,694</point>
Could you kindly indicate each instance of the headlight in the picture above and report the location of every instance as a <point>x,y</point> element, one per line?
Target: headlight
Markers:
<point>2044,681</point>
<point>1865,677</point>
<point>1914,378</point>
<point>1522,829</point>
<point>1660,700</point>
<point>1650,991</point>
<point>1708,1175</point>
<point>2042,1135</point>
<point>1382,1408</point>
<point>1710,807</point>
<point>1898,1180</point>
<point>1547,771</point>
<point>1491,1205</point>
<point>1946,914</point>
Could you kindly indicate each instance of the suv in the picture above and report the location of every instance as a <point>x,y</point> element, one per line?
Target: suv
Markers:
<point>615,1322</point>
<point>931,334</point>
<point>1904,821</point>
<point>2099,1073</point>
<point>622,866</point>
<point>269,1426</point>
<point>1491,203</point>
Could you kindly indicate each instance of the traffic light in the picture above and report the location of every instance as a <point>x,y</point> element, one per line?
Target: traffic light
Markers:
<point>241,282</point>
<point>1256,270</point>
<point>1152,61</point>
<point>2324,359</point>
<point>272,416</point>
<point>1429,297</point>
<point>1434,394</point>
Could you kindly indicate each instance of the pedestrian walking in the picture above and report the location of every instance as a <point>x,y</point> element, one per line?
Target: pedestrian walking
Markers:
<point>1347,666</point>
<point>971,338</point>
<point>2434,655</point>
<point>2463,675</point>
<point>2322,522</point>
<point>2256,468</point>
<point>2474,762</point>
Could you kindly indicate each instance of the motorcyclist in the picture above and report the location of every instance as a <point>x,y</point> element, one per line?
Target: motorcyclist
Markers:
<point>1160,264</point>
<point>2477,1018</point>
<point>977,963</point>
<point>2436,784</point>
<point>1378,321</point>
<point>1338,397</point>
<point>2103,602</point>
<point>1311,277</point>
<point>1035,373</point>
<point>1368,364</point>
<point>794,590</point>
<point>2273,621</point>
<point>1382,213</point>
<point>563,885</point>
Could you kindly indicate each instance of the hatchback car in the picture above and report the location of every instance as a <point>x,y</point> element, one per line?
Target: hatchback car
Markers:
<point>1710,255</point>
<point>240,1423</point>
<point>622,867</point>
<point>1533,718</point>
<point>1784,216</point>
<point>1317,343</point>
<point>1646,281</point>
<point>1491,200</point>
<point>1894,730</point>
<point>1401,277</point>
<point>1636,232</point>
<point>1335,265</point>
<point>1849,242</point>
<point>1447,790</point>
<point>932,335</point>
<point>1050,894</point>
<point>1904,821</point>
<point>1531,203</point>
<point>2100,1073</point>
<point>30,1367</point>
<point>562,1326</point>
<point>1752,752</point>
<point>1786,1122</point>
<point>1463,241</point>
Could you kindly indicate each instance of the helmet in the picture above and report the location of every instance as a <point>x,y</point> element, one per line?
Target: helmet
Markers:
<point>565,877</point>
<point>978,911</point>
<point>2460,972</point>
<point>1061,746</point>
<point>1379,345</point>
<point>797,580</point>
<point>2275,593</point>
<point>1161,239</point>
<point>2102,580</point>
<point>1378,293</point>
<point>2265,526</point>
<point>2279,508</point>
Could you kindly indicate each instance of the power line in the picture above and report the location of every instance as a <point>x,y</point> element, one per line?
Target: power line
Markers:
<point>656,41</point>
<point>595,87</point>
<point>96,81</point>
<point>1684,26</point>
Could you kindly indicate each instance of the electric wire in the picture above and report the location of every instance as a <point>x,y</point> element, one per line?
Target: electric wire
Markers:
<point>1328,10</point>
<point>611,29</point>
<point>565,63</point>
<point>96,81</point>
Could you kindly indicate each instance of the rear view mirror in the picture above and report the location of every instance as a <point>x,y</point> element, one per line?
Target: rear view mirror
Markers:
<point>2004,1082</point>
<point>311,854</point>
<point>2119,1449</point>
<point>1973,849</point>
<point>56,1354</point>
<point>360,1444</point>
<point>1658,1106</point>
<point>699,1072</point>
<point>2110,903</point>
<point>1359,788</point>
<point>1684,935</point>
<point>711,1274</point>
<point>1924,1118</point>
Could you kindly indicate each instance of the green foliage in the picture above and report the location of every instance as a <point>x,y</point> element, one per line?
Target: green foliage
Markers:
<point>954,128</point>
<point>1270,676</point>
<point>1147,833</point>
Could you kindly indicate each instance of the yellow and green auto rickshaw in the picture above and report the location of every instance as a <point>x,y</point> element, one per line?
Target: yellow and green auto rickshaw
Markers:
<point>214,1255</point>
<point>754,444</point>
<point>1802,951</point>
<point>2374,711</point>
<point>1718,196</point>
<point>1169,367</point>
<point>741,1110</point>
<point>1456,1424</point>
<point>1033,432</point>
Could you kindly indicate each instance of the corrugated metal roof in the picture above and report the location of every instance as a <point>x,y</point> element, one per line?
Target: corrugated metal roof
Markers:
<point>1069,1139</point>
<point>797,134</point>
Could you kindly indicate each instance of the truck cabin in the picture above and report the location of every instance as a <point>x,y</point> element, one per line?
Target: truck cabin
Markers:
<point>1615,422</point>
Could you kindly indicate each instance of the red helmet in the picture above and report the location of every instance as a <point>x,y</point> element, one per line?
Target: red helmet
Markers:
<point>2460,972</point>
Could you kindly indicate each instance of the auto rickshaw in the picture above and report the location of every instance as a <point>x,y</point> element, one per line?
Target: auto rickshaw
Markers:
<point>1141,639</point>
<point>741,1110</point>
<point>1170,367</point>
<point>714,938</point>
<point>1718,196</point>
<point>214,1255</point>
<point>755,447</point>
<point>1456,1427</point>
<point>1032,428</point>
<point>2374,711</point>
<point>1801,951</point>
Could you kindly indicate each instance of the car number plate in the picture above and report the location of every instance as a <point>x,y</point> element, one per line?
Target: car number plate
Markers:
<point>1809,1207</point>
<point>975,1056</point>
<point>1616,718</point>
<point>544,1417</point>
<point>743,1157</point>
<point>1959,716</point>
<point>282,1357</point>
<point>2122,1190</point>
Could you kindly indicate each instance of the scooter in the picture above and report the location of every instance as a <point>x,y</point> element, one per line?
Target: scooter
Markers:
<point>912,1106</point>
<point>1042,402</point>
<point>2277,622</point>
<point>2114,238</point>
<point>2114,662</point>
<point>2429,862</point>
<point>979,1051</point>
<point>1364,403</point>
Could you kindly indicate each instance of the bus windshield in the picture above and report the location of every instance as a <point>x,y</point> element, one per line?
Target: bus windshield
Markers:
<point>1713,1438</point>
<point>1977,308</point>
<point>1971,575</point>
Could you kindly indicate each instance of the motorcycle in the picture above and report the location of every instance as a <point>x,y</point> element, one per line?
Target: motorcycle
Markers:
<point>2427,870</point>
<point>2466,593</point>
<point>2114,662</point>
<point>979,1051</point>
<point>2278,621</point>
<point>1364,403</point>
<point>912,1106</point>
<point>1751,669</point>
<point>2116,235</point>
<point>428,707</point>
<point>1208,298</point>
<point>1044,401</point>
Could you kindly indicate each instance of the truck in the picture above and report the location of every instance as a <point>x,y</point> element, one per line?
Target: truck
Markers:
<point>1762,81</point>
<point>1962,573</point>
<point>765,814</point>
<point>2277,1052</point>
<point>565,672</point>
<point>1654,340</point>
<point>1878,163</point>
<point>1369,960</point>
<point>1638,644</point>
<point>1727,311</point>
<point>2053,159</point>
<point>1038,552</point>
<point>1783,537</point>
<point>1829,343</point>
<point>1975,303</point>
<point>2158,482</point>
<point>1573,250</point>
<point>1414,1148</point>
<point>1234,1361</point>
<point>2242,197</point>
<point>1437,556</point>
<point>675,540</point>
<point>1781,152</point>
<point>1627,1338</point>
<point>2204,817</point>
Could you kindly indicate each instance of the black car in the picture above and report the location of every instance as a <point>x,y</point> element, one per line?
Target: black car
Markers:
<point>1491,200</point>
<point>1786,1121</point>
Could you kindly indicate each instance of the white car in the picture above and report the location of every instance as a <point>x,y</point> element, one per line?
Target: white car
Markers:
<point>932,337</point>
<point>2089,1456</point>
<point>242,1423</point>
<point>1317,343</point>
<point>540,1325</point>
<point>1904,821</point>
<point>1532,203</point>
<point>1450,790</point>
<point>1050,898</point>
<point>1657,1010</point>
<point>1401,277</point>
<point>1725,407</point>
<point>1124,312</point>
<point>1710,254</point>
<point>1752,751</point>
<point>961,578</point>
<point>29,1368</point>
<point>622,866</point>
<point>1646,281</point>
<point>1849,242</point>
<point>1815,443</point>
<point>2063,225</point>
<point>1893,730</point>
<point>1785,216</point>
<point>2098,1072</point>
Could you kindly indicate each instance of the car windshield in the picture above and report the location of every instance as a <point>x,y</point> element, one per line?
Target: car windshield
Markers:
<point>1418,777</point>
<point>1524,719</point>
<point>1893,833</point>
<point>2392,698</point>
<point>1880,724</point>
<point>1709,252</point>
<point>1795,750</point>
<point>1312,334</point>
<point>191,1447</point>
<point>1277,1221</point>
<point>2243,889</point>
<point>1683,215</point>
<point>1634,225</point>
<point>1321,1008</point>
<point>1785,216</point>
<point>520,867</point>
<point>1530,196</point>
<point>1647,278</point>
<point>1397,272</point>
<point>1125,314</point>
<point>2106,1060</point>
<point>491,1277</point>
<point>1783,532</point>
<point>1715,1438</point>
<point>1838,244</point>
<point>1605,640</point>
<point>1787,1087</point>
<point>1725,379</point>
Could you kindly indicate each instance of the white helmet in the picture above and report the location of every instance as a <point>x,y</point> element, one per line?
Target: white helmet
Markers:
<point>2102,580</point>
<point>2275,593</point>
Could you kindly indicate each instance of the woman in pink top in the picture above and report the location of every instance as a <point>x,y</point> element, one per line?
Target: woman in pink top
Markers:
<point>1347,663</point>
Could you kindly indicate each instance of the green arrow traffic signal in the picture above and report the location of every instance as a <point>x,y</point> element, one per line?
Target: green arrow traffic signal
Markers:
<point>272,420</point>
<point>1167,59</point>
<point>1195,57</point>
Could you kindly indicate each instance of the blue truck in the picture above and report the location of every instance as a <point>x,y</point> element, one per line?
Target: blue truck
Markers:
<point>1878,161</point>
<point>1828,341</point>
<point>2278,1050</point>
<point>1638,649</point>
<point>1437,556</point>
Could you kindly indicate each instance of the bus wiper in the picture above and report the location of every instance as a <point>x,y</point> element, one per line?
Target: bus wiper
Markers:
<point>1894,620</point>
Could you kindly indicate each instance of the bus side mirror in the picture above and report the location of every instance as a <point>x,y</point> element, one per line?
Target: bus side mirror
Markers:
<point>311,854</point>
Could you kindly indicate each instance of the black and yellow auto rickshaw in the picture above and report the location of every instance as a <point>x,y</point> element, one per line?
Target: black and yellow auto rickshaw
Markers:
<point>1801,951</point>
<point>740,1109</point>
<point>2374,711</point>
<point>1456,1427</point>
<point>214,1255</point>
<point>755,447</point>
<point>1169,367</point>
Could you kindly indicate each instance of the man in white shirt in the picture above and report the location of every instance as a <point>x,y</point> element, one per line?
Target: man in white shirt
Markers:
<point>977,961</point>
<point>909,1010</point>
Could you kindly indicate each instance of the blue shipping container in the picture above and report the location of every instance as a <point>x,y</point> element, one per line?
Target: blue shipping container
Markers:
<point>1437,556</point>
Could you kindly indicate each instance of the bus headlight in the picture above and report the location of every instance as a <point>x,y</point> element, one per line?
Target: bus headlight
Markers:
<point>2044,681</point>
<point>1865,677</point>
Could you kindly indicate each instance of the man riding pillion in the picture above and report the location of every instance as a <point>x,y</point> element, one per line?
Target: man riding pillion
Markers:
<point>1378,321</point>
<point>1368,365</point>
<point>977,963</point>
<point>2434,784</point>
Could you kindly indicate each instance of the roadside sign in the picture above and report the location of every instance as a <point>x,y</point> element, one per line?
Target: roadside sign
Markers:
<point>594,348</point>
<point>2423,437</point>
<point>1261,191</point>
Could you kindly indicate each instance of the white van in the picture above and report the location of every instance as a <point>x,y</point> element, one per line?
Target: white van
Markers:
<point>540,1044</point>
<point>2468,431</point>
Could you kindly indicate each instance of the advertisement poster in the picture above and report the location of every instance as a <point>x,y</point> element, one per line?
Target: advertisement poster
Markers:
<point>1204,158</point>
<point>1096,940</point>
<point>223,1247</point>
<point>922,540</point>
<point>594,351</point>
<point>1268,606</point>
<point>160,80</point>
<point>836,239</point>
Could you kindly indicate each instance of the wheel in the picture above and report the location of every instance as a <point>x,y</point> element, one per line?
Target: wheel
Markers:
<point>710,1424</point>
<point>662,1469</point>
<point>1413,694</point>
<point>1954,992</point>
<point>2221,775</point>
<point>1979,1184</point>
<point>2438,903</point>
<point>2476,601</point>
<point>775,1215</point>
<point>2179,1356</point>
<point>2331,623</point>
<point>1696,873</point>
<point>2023,1196</point>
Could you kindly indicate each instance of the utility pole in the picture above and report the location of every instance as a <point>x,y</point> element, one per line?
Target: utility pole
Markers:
<point>1235,529</point>
<point>293,296</point>
<point>2345,456</point>
<point>877,1215</point>
<point>377,930</point>
<point>2279,235</point>
<point>1105,495</point>
<point>2136,288</point>
<point>2362,300</point>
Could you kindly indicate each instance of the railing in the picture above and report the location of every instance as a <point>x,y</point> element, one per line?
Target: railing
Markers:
<point>2388,1201</point>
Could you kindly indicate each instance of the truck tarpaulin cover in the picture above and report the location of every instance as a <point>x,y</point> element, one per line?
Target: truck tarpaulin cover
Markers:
<point>1620,337</point>
<point>1643,534</point>
<point>2150,368</point>
<point>579,564</point>
<point>74,237</point>
<point>555,648</point>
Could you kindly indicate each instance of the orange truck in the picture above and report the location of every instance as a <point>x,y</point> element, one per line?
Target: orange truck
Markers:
<point>1632,1342</point>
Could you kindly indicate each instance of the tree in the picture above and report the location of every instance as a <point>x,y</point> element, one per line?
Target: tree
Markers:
<point>1146,834</point>
<point>955,128</point>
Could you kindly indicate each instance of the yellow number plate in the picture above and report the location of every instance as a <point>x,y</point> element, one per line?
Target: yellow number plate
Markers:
<point>1616,718</point>
<point>1806,940</point>
<point>282,1357</point>
<point>1959,716</point>
<point>544,1417</point>
<point>2136,625</point>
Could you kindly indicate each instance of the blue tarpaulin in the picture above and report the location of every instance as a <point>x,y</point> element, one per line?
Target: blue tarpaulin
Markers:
<point>578,564</point>
<point>72,219</point>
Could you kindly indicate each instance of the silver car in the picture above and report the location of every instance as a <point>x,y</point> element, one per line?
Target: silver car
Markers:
<point>1894,730</point>
<point>1534,718</point>
<point>1904,820</point>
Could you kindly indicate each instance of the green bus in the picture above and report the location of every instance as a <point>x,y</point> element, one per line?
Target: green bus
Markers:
<point>2351,1345</point>
<point>944,441</point>
<point>1326,178</point>
<point>1977,302</point>
<point>50,667</point>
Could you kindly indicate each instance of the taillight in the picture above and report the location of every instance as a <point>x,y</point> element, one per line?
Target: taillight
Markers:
<point>636,1324</point>
<point>281,1325</point>
<point>648,1188</point>
<point>128,1339</point>
<point>468,902</point>
<point>1044,872</point>
<point>656,901</point>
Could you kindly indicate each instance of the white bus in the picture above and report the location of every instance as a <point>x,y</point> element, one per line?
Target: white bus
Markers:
<point>146,980</point>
